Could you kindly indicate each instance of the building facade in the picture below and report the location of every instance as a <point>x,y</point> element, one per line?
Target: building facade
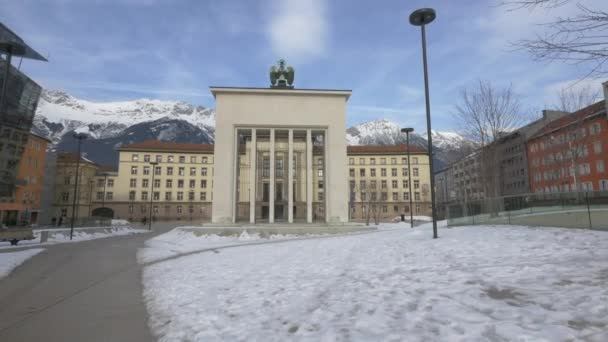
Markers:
<point>379,182</point>
<point>23,207</point>
<point>571,154</point>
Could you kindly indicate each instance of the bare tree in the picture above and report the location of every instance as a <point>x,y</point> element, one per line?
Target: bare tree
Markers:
<point>486,113</point>
<point>581,38</point>
<point>570,99</point>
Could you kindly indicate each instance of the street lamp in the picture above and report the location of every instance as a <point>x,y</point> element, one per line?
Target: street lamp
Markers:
<point>152,192</point>
<point>407,132</point>
<point>80,137</point>
<point>422,17</point>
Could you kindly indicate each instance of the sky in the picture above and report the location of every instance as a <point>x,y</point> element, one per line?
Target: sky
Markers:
<point>176,49</point>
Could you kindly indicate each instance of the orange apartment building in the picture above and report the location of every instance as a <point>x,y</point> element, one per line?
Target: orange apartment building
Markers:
<point>571,153</point>
<point>23,207</point>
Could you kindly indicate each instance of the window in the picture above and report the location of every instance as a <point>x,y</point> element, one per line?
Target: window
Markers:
<point>384,196</point>
<point>383,161</point>
<point>170,171</point>
<point>595,128</point>
<point>351,172</point>
<point>319,173</point>
<point>99,196</point>
<point>192,171</point>
<point>168,196</point>
<point>320,196</point>
<point>374,196</point>
<point>404,161</point>
<point>363,196</point>
<point>203,196</point>
<point>147,158</point>
<point>155,209</point>
<point>143,209</point>
<point>372,172</point>
<point>414,160</point>
<point>603,183</point>
<point>351,185</point>
<point>393,161</point>
<point>394,184</point>
<point>159,158</point>
<point>157,183</point>
<point>182,159</point>
<point>383,172</point>
<point>394,172</point>
<point>64,212</point>
<point>144,195</point>
<point>203,183</point>
<point>191,196</point>
<point>181,171</point>
<point>406,196</point>
<point>133,170</point>
<point>406,184</point>
<point>157,170</point>
<point>132,195</point>
<point>584,169</point>
<point>372,161</point>
<point>404,172</point>
<point>169,183</point>
<point>130,209</point>
<point>145,183</point>
<point>193,159</point>
<point>100,183</point>
<point>180,183</point>
<point>361,161</point>
<point>320,185</point>
<point>134,157</point>
<point>266,167</point>
<point>372,184</point>
<point>383,184</point>
<point>599,165</point>
<point>415,171</point>
<point>362,184</point>
<point>362,172</point>
<point>170,159</point>
<point>180,196</point>
<point>179,209</point>
<point>110,183</point>
<point>192,184</point>
<point>351,161</point>
<point>203,171</point>
<point>204,160</point>
<point>417,196</point>
<point>395,196</point>
<point>597,147</point>
<point>416,184</point>
<point>109,195</point>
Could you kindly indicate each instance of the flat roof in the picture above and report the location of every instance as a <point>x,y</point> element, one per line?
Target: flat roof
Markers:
<point>341,92</point>
<point>7,35</point>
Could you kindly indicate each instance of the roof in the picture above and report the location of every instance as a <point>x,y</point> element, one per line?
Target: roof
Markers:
<point>107,169</point>
<point>290,91</point>
<point>40,137</point>
<point>70,157</point>
<point>7,36</point>
<point>165,146</point>
<point>596,108</point>
<point>383,149</point>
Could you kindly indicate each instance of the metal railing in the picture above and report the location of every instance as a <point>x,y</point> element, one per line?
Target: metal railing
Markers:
<point>586,210</point>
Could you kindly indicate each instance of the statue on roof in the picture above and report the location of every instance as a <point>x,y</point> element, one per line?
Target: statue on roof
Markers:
<point>281,77</point>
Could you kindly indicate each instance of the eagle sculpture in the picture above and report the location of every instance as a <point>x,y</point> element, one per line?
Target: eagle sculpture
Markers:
<point>281,77</point>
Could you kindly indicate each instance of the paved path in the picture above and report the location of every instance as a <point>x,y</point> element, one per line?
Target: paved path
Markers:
<point>85,291</point>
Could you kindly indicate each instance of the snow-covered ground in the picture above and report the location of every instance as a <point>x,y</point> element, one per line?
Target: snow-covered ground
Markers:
<point>473,283</point>
<point>8,261</point>
<point>81,234</point>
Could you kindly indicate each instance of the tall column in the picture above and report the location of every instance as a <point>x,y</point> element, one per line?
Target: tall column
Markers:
<point>290,178</point>
<point>326,192</point>
<point>309,193</point>
<point>252,180</point>
<point>272,168</point>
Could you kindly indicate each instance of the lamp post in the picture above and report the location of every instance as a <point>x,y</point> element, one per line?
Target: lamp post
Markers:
<point>80,137</point>
<point>407,132</point>
<point>152,192</point>
<point>422,17</point>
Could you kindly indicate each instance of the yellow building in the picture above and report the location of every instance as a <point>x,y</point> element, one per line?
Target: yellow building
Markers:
<point>379,182</point>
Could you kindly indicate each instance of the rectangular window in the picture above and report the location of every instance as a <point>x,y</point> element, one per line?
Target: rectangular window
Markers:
<point>363,196</point>
<point>372,172</point>
<point>180,210</point>
<point>170,159</point>
<point>373,184</point>
<point>203,196</point>
<point>406,196</point>
<point>133,170</point>
<point>99,195</point>
<point>393,161</point>
<point>157,170</point>
<point>595,128</point>
<point>156,195</point>
<point>193,159</point>
<point>168,196</point>
<point>180,196</point>
<point>395,196</point>
<point>203,183</point>
<point>362,172</point>
<point>403,161</point>
<point>394,184</point>
<point>134,157</point>
<point>383,183</point>
<point>416,184</point>
<point>169,183</point>
<point>404,172</point>
<point>170,171</point>
<point>362,185</point>
<point>147,158</point>
<point>157,183</point>
<point>203,171</point>
<point>383,161</point>
<point>414,160</point>
<point>319,173</point>
<point>266,167</point>
<point>146,170</point>
<point>417,196</point>
<point>394,172</point>
<point>192,171</point>
<point>415,172</point>
<point>180,183</point>
<point>599,165</point>
<point>132,195</point>
<point>191,196</point>
<point>597,147</point>
<point>374,196</point>
<point>603,183</point>
<point>361,161</point>
<point>351,161</point>
<point>405,184</point>
<point>110,183</point>
<point>130,209</point>
<point>320,196</point>
<point>181,171</point>
<point>204,160</point>
<point>372,161</point>
<point>192,183</point>
<point>351,172</point>
<point>159,158</point>
<point>144,195</point>
<point>384,196</point>
<point>182,159</point>
<point>65,196</point>
<point>100,183</point>
<point>145,183</point>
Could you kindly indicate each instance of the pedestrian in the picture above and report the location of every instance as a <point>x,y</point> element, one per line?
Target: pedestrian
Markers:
<point>60,221</point>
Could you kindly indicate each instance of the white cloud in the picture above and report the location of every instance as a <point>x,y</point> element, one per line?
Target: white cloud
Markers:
<point>552,90</point>
<point>298,29</point>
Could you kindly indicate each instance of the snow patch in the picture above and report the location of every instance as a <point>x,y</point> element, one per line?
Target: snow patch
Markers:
<point>9,261</point>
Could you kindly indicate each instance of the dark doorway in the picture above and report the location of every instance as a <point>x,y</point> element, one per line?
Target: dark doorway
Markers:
<point>103,212</point>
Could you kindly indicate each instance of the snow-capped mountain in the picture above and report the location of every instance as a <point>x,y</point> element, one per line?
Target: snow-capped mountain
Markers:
<point>59,113</point>
<point>446,139</point>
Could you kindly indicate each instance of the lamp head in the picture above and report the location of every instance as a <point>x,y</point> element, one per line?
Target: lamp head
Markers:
<point>407,130</point>
<point>422,16</point>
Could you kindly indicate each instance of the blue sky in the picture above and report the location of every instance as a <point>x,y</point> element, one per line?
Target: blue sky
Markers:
<point>175,49</point>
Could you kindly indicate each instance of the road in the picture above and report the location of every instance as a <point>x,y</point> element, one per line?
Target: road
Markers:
<point>85,291</point>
